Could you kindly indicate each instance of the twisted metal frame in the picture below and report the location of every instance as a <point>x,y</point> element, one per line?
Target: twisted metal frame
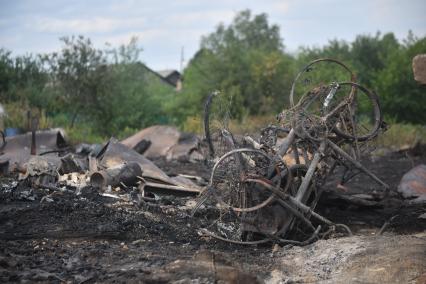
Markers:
<point>319,139</point>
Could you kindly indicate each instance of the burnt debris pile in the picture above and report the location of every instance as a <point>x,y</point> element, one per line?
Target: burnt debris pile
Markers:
<point>239,189</point>
<point>114,169</point>
<point>267,189</point>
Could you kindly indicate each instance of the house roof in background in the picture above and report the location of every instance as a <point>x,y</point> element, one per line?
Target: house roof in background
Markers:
<point>167,72</point>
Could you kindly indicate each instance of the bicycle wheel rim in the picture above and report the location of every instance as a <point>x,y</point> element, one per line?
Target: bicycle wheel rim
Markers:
<point>366,115</point>
<point>296,95</point>
<point>216,124</point>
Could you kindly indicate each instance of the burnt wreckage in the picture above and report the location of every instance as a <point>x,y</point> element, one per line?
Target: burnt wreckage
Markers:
<point>267,190</point>
<point>262,189</point>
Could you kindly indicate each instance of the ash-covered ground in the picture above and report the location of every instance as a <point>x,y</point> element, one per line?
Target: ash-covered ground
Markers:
<point>61,237</point>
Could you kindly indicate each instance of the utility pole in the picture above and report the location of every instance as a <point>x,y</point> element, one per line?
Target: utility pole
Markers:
<point>182,59</point>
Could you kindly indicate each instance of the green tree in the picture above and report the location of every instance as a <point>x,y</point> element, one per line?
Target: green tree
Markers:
<point>125,53</point>
<point>402,97</point>
<point>109,90</point>
<point>369,55</point>
<point>135,99</point>
<point>22,78</point>
<point>336,49</point>
<point>382,64</point>
<point>135,96</point>
<point>245,61</point>
<point>6,73</point>
<point>80,73</point>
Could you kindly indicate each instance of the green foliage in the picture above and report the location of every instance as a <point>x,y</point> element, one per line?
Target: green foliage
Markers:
<point>402,135</point>
<point>80,73</point>
<point>403,99</point>
<point>15,117</point>
<point>85,133</point>
<point>134,100</point>
<point>384,65</point>
<point>245,61</point>
<point>125,54</point>
<point>6,70</point>
<point>336,49</point>
<point>245,32</point>
<point>108,91</point>
<point>22,79</point>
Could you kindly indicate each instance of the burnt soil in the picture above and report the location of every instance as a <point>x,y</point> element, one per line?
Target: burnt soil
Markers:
<point>60,237</point>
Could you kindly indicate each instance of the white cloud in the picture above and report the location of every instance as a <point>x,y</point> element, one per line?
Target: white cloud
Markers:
<point>160,36</point>
<point>145,36</point>
<point>201,17</point>
<point>281,7</point>
<point>9,40</point>
<point>97,24</point>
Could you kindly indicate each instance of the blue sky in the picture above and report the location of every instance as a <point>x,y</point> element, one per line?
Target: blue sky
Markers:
<point>163,27</point>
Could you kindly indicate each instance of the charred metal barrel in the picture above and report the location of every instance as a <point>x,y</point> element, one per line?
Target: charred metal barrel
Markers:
<point>126,174</point>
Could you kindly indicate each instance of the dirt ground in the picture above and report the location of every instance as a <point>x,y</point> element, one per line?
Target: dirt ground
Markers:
<point>60,237</point>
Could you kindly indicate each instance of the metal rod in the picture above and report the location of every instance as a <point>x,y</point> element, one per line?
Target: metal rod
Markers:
<point>301,192</point>
<point>287,143</point>
<point>34,126</point>
<point>304,208</point>
<point>281,201</point>
<point>356,163</point>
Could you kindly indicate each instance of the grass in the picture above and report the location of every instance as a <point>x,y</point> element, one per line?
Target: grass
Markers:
<point>251,124</point>
<point>398,135</point>
<point>401,135</point>
<point>83,134</point>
